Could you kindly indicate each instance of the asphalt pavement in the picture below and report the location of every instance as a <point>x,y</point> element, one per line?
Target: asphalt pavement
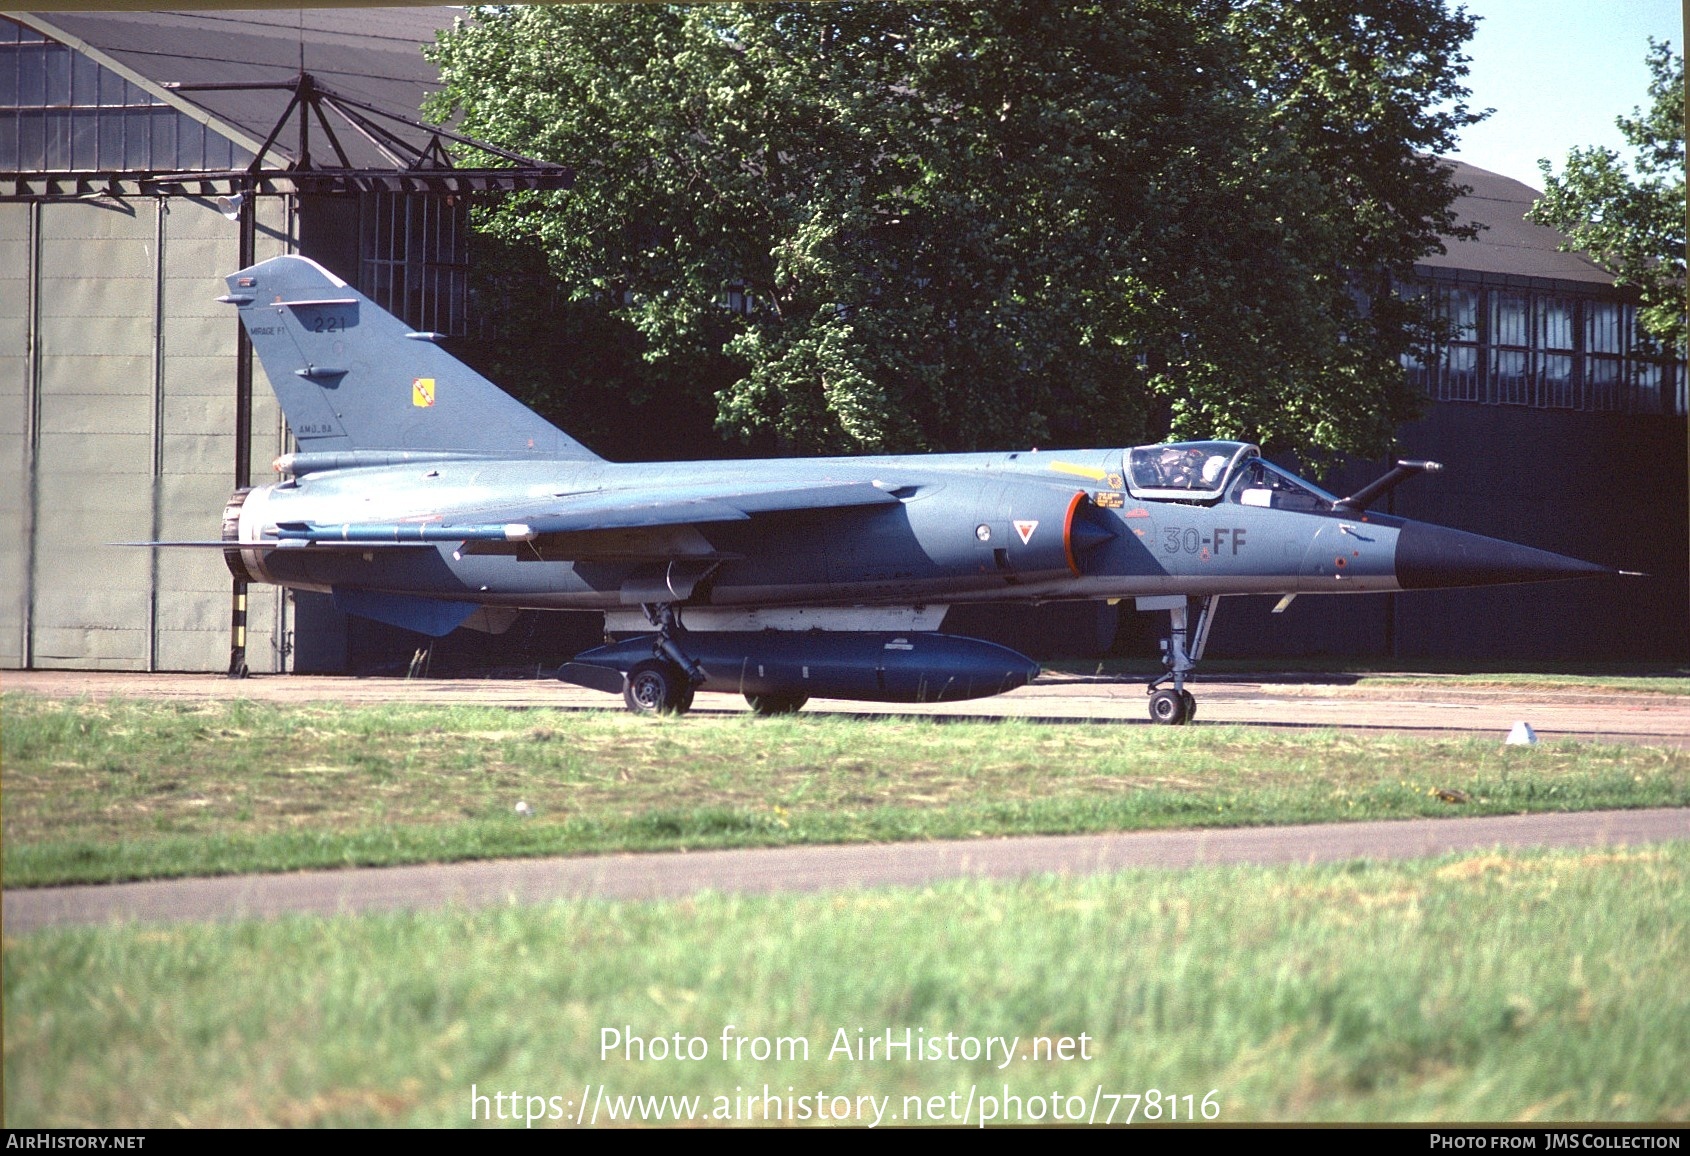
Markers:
<point>801,869</point>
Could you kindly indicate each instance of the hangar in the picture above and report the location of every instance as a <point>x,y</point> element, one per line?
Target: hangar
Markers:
<point>1555,429</point>
<point>144,155</point>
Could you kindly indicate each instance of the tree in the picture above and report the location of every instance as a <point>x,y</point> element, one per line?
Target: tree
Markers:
<point>873,227</point>
<point>1632,222</point>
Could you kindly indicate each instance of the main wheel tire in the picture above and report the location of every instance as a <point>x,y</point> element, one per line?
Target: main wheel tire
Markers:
<point>1167,707</point>
<point>1190,704</point>
<point>657,687</point>
<point>769,705</point>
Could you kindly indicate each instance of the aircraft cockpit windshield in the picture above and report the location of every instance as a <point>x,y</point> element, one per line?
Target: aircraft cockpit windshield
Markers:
<point>1261,484</point>
<point>1185,471</point>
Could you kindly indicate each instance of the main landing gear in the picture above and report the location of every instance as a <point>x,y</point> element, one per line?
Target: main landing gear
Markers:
<point>665,682</point>
<point>1181,650</point>
<point>657,686</point>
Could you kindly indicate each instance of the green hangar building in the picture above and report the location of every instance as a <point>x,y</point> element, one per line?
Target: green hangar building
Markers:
<point>144,156</point>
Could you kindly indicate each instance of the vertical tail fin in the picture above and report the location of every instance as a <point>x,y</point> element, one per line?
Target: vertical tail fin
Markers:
<point>351,376</point>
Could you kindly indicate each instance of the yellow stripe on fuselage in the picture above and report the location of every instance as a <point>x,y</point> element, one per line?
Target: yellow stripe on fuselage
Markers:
<point>1079,471</point>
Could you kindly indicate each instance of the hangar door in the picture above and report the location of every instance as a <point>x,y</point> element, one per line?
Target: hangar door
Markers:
<point>117,423</point>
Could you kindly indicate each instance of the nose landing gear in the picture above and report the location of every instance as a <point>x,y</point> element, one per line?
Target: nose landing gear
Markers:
<point>1172,706</point>
<point>1181,650</point>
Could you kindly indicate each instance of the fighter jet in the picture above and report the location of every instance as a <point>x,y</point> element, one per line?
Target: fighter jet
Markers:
<point>423,496</point>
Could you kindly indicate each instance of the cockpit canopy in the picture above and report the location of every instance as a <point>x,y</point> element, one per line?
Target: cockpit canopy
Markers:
<point>1185,471</point>
<point>1204,471</point>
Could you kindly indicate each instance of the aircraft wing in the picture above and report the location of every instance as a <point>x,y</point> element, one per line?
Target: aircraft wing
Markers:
<point>595,524</point>
<point>690,506</point>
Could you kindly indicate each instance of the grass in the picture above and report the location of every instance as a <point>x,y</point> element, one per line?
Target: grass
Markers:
<point>109,790</point>
<point>1482,987</point>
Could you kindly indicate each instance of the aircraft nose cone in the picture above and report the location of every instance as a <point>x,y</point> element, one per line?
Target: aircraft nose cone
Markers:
<point>1434,556</point>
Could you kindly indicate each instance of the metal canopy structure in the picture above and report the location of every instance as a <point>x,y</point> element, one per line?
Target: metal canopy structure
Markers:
<point>278,169</point>
<point>428,167</point>
<point>274,102</point>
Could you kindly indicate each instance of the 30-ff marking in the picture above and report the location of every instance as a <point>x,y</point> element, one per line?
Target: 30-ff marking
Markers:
<point>1229,538</point>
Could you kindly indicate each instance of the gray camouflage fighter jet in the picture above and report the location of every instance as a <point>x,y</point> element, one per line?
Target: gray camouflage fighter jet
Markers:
<point>423,496</point>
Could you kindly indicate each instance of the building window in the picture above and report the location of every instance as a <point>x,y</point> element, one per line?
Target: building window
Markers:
<point>1452,373</point>
<point>1510,352</point>
<point>1606,325</point>
<point>62,112</point>
<point>1557,351</point>
<point>415,262</point>
<point>1509,346</point>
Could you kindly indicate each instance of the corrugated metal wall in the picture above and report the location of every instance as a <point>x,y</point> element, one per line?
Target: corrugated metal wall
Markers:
<point>117,424</point>
<point>15,279</point>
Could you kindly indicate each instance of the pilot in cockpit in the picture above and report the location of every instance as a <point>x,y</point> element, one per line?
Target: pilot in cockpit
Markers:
<point>1190,469</point>
<point>1179,468</point>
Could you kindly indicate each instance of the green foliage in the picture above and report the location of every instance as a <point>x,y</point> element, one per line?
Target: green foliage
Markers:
<point>871,227</point>
<point>1632,220</point>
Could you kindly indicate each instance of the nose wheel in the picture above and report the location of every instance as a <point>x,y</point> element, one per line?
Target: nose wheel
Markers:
<point>1167,707</point>
<point>1172,707</point>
